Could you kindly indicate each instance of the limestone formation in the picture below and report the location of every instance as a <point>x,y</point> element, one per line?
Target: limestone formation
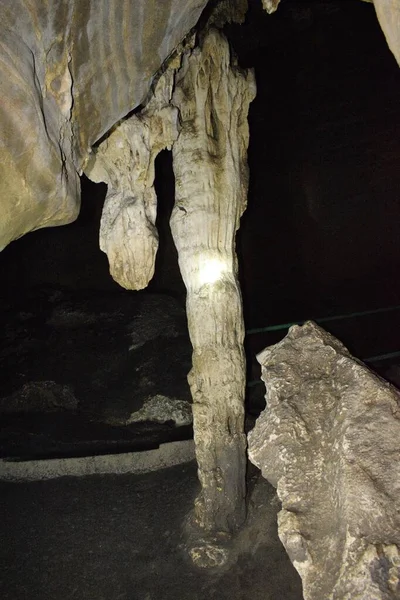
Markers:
<point>329,440</point>
<point>125,161</point>
<point>161,409</point>
<point>211,178</point>
<point>270,5</point>
<point>70,70</point>
<point>388,13</point>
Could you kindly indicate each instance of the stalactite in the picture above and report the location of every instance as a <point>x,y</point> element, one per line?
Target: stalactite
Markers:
<point>125,161</point>
<point>211,173</point>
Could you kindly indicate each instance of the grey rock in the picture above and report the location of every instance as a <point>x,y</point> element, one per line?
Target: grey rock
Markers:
<point>162,409</point>
<point>329,440</point>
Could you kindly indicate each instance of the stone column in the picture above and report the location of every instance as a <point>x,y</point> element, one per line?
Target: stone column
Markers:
<point>211,173</point>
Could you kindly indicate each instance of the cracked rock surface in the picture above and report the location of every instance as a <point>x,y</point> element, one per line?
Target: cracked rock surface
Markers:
<point>329,441</point>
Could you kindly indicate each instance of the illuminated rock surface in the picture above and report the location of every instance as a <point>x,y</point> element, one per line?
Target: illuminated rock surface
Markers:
<point>329,441</point>
<point>211,179</point>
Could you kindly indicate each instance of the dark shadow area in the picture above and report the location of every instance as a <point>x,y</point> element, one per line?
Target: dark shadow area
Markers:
<point>320,235</point>
<point>167,277</point>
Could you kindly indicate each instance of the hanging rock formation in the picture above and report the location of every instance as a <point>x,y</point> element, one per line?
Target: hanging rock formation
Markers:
<point>211,178</point>
<point>329,440</point>
<point>125,161</point>
<point>70,70</point>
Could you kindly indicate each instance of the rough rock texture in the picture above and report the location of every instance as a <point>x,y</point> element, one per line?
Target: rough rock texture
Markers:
<point>329,440</point>
<point>270,5</point>
<point>125,161</point>
<point>163,409</point>
<point>69,70</point>
<point>211,178</point>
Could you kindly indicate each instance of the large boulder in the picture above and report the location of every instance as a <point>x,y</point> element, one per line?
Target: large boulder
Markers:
<point>329,440</point>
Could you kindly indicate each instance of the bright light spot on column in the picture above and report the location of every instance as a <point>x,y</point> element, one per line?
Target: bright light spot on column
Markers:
<point>211,271</point>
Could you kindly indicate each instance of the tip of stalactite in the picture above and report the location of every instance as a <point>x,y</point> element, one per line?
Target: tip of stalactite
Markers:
<point>270,5</point>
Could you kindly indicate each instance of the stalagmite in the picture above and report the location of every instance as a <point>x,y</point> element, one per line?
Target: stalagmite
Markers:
<point>211,173</point>
<point>125,161</point>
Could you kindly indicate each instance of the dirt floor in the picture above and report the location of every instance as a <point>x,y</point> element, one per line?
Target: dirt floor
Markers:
<point>121,538</point>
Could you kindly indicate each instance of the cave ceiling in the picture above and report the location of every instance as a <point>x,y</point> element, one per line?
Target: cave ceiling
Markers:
<point>69,71</point>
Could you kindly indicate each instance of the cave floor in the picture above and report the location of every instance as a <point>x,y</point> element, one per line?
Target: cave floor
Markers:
<point>121,537</point>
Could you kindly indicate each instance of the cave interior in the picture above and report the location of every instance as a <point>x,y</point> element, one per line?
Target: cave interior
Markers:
<point>318,240</point>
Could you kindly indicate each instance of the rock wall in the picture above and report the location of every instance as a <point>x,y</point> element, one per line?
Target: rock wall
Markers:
<point>329,440</point>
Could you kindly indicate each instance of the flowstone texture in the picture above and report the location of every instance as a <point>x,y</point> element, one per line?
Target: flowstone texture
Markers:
<point>76,366</point>
<point>211,180</point>
<point>329,440</point>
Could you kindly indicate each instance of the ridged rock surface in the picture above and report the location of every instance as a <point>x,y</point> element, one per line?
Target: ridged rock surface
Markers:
<point>329,440</point>
<point>69,70</point>
<point>125,161</point>
<point>211,178</point>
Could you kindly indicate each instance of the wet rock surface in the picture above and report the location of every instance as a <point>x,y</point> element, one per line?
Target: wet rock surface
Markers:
<point>75,367</point>
<point>329,440</point>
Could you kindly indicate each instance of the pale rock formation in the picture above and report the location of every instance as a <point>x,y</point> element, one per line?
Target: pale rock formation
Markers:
<point>329,440</point>
<point>125,161</point>
<point>162,409</point>
<point>211,175</point>
<point>388,13</point>
<point>270,5</point>
<point>70,70</point>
